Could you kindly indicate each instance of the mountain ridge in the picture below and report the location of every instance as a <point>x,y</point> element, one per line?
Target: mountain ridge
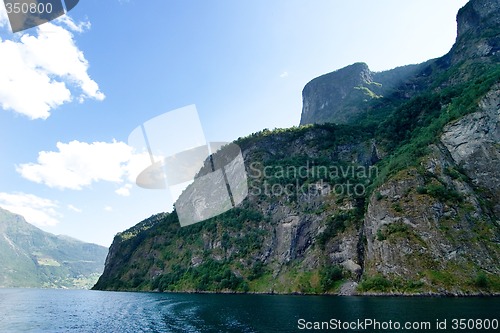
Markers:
<point>31,257</point>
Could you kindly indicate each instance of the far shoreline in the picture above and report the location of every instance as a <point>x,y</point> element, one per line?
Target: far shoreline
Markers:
<point>271,293</point>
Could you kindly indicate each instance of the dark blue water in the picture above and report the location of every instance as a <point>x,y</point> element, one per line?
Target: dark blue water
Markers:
<point>32,310</point>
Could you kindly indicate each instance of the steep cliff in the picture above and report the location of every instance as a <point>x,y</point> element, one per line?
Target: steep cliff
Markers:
<point>473,143</point>
<point>436,224</point>
<point>339,97</point>
<point>477,35</point>
<point>335,97</point>
<point>394,189</point>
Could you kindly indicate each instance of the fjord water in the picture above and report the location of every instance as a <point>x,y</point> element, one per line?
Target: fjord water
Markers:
<point>34,310</point>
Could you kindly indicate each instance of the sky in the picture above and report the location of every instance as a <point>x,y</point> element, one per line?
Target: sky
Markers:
<point>72,90</point>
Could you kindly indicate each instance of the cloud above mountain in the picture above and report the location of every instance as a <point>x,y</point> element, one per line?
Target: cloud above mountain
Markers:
<point>42,71</point>
<point>76,165</point>
<point>36,210</point>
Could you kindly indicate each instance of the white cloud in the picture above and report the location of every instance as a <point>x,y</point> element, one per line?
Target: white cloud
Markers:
<point>79,164</point>
<point>74,209</point>
<point>37,72</point>
<point>124,191</point>
<point>36,210</point>
<point>284,75</point>
<point>108,208</point>
<point>72,25</point>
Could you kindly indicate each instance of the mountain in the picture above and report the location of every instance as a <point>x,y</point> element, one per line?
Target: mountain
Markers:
<point>391,187</point>
<point>339,97</point>
<point>30,257</point>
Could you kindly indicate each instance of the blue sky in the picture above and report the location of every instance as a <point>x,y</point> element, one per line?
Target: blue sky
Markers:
<point>71,91</point>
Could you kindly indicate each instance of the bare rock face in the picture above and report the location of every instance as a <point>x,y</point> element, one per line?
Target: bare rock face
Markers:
<point>477,31</point>
<point>412,232</point>
<point>293,229</point>
<point>294,235</point>
<point>427,220</point>
<point>476,16</point>
<point>344,95</point>
<point>474,144</point>
<point>333,97</point>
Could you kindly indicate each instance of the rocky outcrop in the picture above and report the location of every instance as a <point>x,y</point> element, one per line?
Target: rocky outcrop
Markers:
<point>477,31</point>
<point>428,220</point>
<point>476,17</point>
<point>334,97</point>
<point>344,95</point>
<point>474,144</point>
<point>423,222</point>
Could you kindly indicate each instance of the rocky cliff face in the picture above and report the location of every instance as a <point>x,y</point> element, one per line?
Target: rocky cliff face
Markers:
<point>403,197</point>
<point>277,228</point>
<point>477,17</point>
<point>477,36</point>
<point>473,143</point>
<point>430,223</point>
<point>341,96</point>
<point>334,97</point>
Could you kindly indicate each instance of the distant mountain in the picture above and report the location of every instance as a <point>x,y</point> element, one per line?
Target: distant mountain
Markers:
<point>30,257</point>
<point>393,186</point>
